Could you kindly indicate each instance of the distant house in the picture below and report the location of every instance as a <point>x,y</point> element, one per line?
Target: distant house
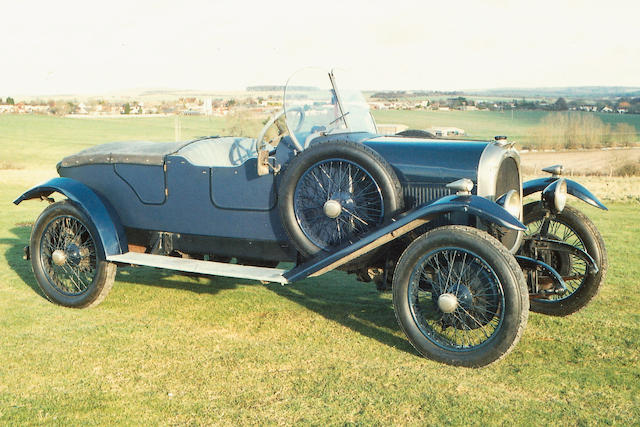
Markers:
<point>82,109</point>
<point>444,132</point>
<point>378,105</point>
<point>607,110</point>
<point>587,107</point>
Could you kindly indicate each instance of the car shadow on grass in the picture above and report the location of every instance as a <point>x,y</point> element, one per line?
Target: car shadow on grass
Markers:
<point>338,297</point>
<point>133,275</point>
<point>169,279</point>
<point>335,296</point>
<point>15,256</point>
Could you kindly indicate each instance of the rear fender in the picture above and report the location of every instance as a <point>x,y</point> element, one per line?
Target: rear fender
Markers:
<point>573,188</point>
<point>104,217</point>
<point>472,205</point>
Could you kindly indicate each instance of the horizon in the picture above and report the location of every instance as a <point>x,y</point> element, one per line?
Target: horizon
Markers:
<point>158,91</point>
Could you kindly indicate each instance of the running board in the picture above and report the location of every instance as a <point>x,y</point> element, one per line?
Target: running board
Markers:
<point>202,267</point>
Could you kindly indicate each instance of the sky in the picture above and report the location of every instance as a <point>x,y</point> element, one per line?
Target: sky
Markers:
<point>100,47</point>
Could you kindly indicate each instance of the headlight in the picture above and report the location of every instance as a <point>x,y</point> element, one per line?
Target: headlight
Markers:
<point>511,202</point>
<point>554,197</point>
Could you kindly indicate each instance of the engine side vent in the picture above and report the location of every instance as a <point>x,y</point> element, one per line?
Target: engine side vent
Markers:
<point>421,193</point>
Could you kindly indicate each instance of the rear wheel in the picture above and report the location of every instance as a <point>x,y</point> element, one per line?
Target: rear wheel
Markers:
<point>460,297</point>
<point>573,227</point>
<point>65,258</point>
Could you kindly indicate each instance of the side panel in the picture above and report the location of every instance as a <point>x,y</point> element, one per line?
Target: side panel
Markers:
<point>146,181</point>
<point>104,217</point>
<point>425,166</point>
<point>188,207</point>
<point>241,188</point>
<point>430,161</point>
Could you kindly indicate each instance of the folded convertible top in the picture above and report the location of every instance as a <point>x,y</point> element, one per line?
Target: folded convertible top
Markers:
<point>133,152</point>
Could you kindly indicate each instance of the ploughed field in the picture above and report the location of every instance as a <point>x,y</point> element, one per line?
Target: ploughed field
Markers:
<point>581,162</point>
<point>166,348</point>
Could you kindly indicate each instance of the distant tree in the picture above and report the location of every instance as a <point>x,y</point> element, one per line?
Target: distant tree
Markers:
<point>624,134</point>
<point>230,103</point>
<point>561,105</point>
<point>126,108</point>
<point>10,101</point>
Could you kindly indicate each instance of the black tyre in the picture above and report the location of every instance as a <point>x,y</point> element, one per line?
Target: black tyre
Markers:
<point>65,258</point>
<point>333,192</point>
<point>573,227</point>
<point>460,297</point>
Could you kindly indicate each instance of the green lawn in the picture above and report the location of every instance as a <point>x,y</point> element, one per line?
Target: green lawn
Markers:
<point>170,349</point>
<point>41,141</point>
<point>517,125</point>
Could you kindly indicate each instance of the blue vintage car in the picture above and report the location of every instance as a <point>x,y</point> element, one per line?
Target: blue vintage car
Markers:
<point>438,221</point>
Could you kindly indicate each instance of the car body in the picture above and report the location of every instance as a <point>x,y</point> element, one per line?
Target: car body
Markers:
<point>330,193</point>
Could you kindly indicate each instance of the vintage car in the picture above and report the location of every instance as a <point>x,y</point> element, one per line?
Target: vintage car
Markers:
<point>440,222</point>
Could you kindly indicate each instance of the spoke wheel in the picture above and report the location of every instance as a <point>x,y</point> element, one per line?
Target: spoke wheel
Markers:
<point>66,259</point>
<point>333,192</point>
<point>572,268</point>
<point>68,255</point>
<point>575,228</point>
<point>336,200</point>
<point>477,308</point>
<point>460,296</point>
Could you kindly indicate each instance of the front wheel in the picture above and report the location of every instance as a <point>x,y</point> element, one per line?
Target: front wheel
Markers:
<point>575,228</point>
<point>65,259</point>
<point>460,297</point>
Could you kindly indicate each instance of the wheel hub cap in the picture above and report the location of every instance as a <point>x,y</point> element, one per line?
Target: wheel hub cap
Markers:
<point>59,257</point>
<point>73,254</point>
<point>332,208</point>
<point>447,303</point>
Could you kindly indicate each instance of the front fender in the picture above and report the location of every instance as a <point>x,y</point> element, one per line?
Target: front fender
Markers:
<point>573,188</point>
<point>104,217</point>
<point>472,205</point>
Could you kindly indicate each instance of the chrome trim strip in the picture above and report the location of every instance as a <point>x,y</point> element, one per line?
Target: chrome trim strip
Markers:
<point>488,167</point>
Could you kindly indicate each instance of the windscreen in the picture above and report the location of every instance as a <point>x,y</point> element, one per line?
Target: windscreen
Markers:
<point>312,104</point>
<point>354,104</point>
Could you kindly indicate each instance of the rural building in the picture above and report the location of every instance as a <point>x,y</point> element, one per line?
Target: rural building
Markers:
<point>442,131</point>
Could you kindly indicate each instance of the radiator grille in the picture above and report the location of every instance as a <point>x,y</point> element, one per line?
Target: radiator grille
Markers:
<point>418,194</point>
<point>508,178</point>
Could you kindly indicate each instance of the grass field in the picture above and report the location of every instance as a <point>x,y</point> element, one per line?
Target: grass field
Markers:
<point>517,125</point>
<point>170,349</point>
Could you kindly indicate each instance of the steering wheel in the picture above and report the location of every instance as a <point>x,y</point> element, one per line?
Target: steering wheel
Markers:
<point>260,143</point>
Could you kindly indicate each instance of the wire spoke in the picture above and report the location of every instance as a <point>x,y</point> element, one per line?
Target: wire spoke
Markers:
<point>356,191</point>
<point>76,273</point>
<point>568,265</point>
<point>479,311</point>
